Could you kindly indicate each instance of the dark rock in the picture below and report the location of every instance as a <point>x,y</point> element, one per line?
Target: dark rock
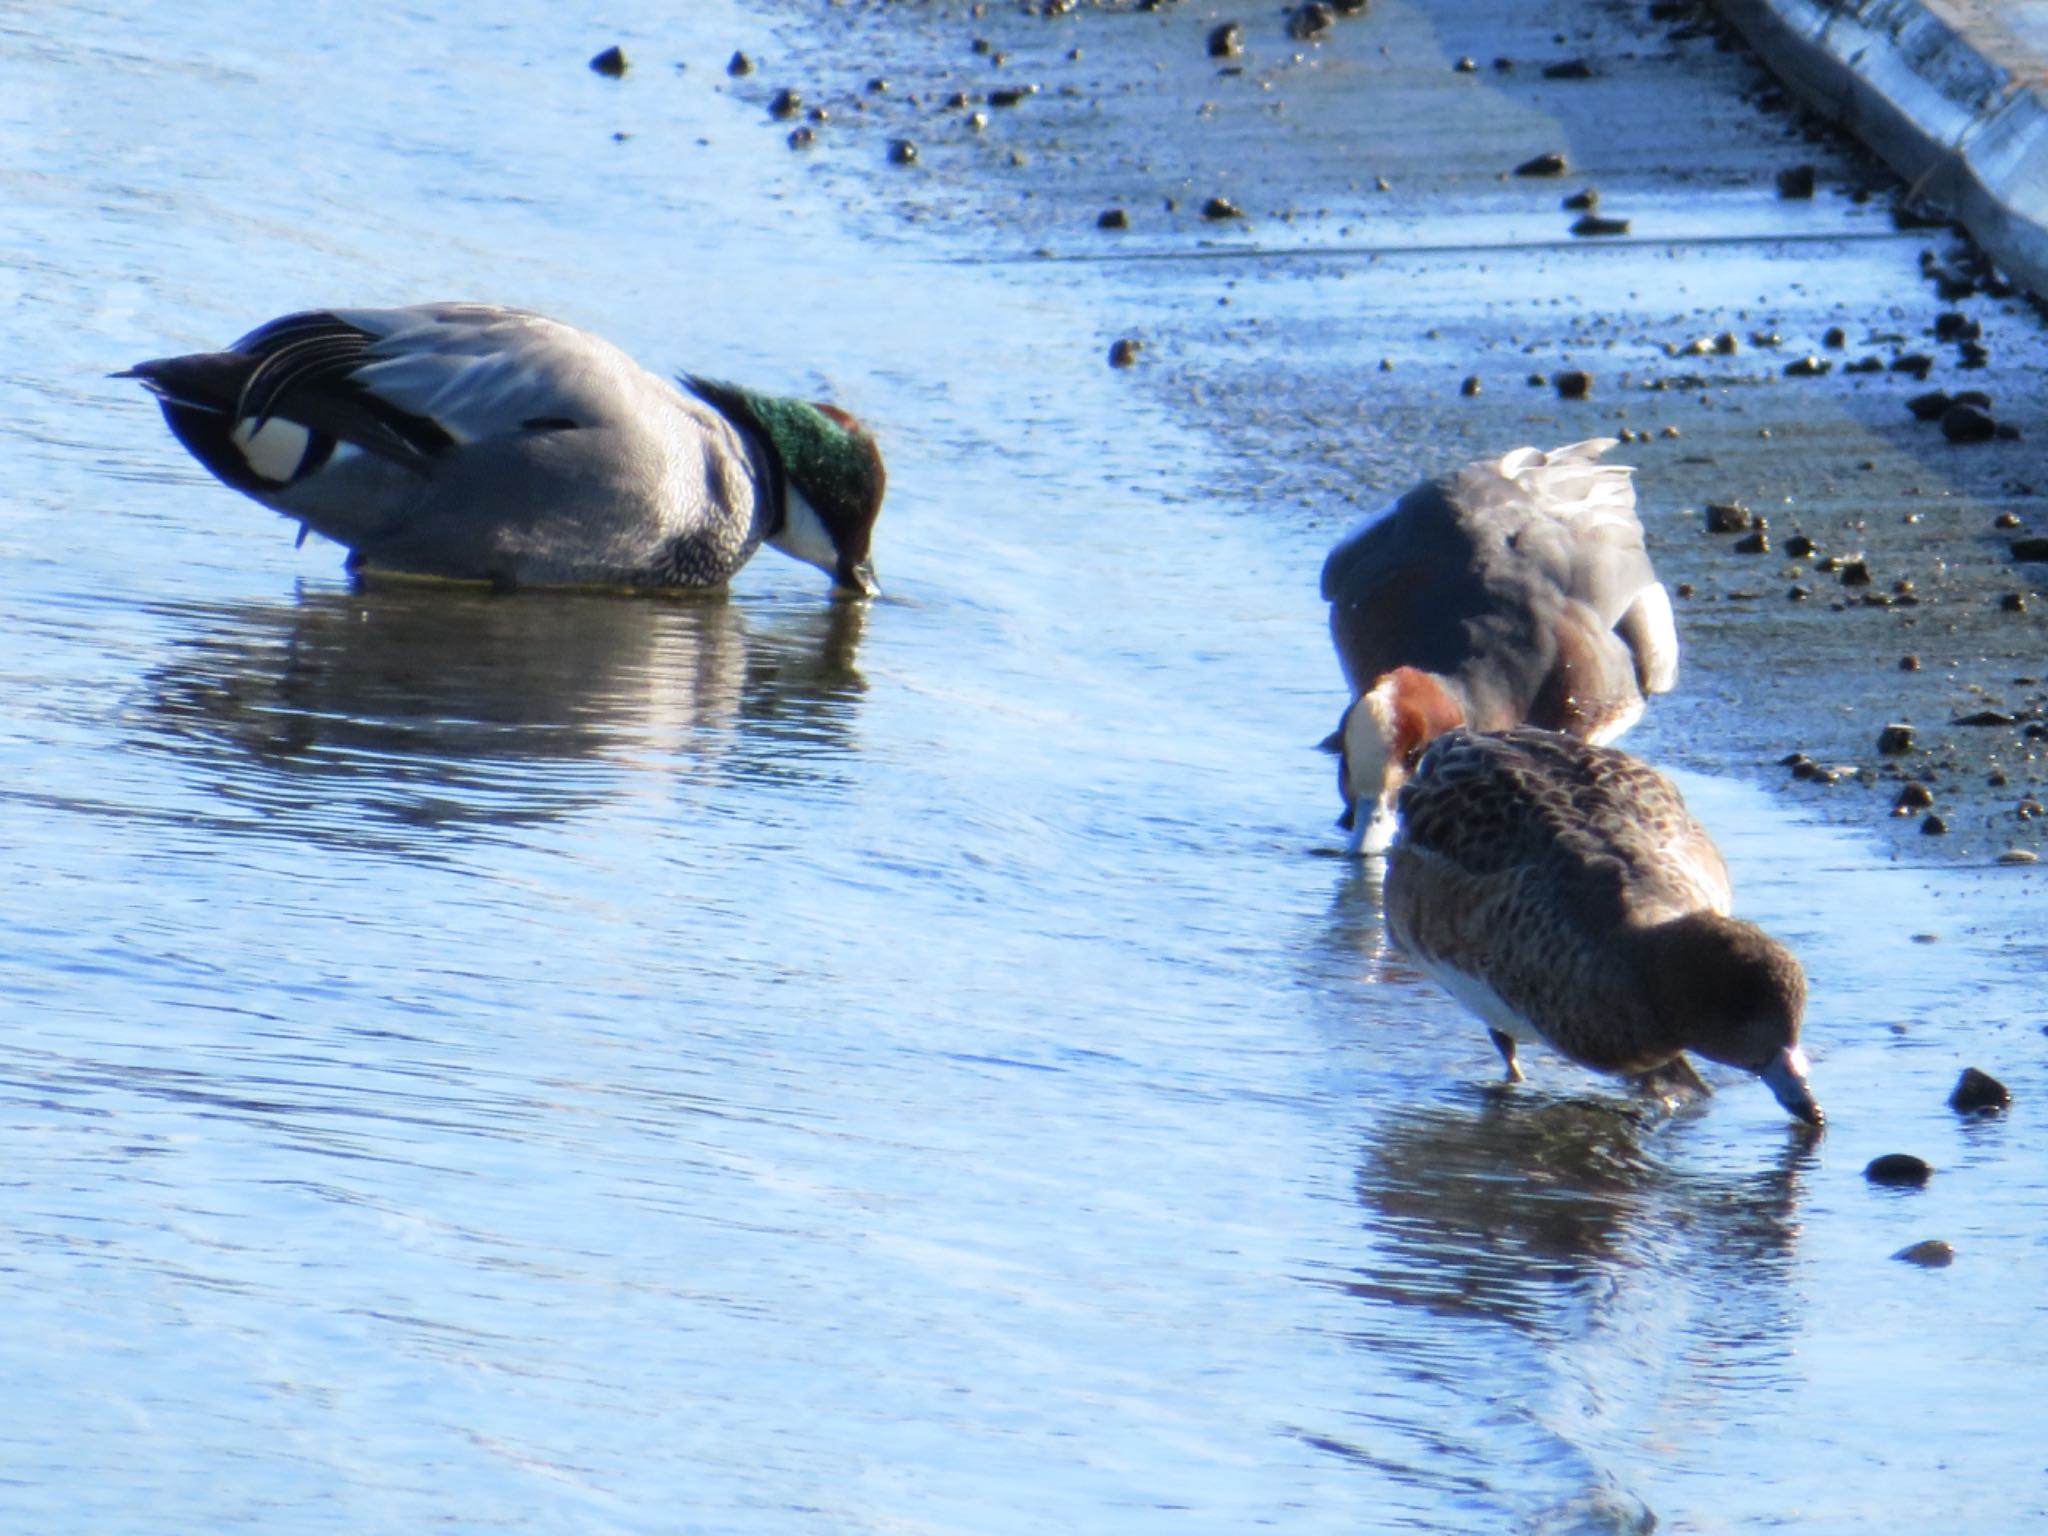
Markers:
<point>1226,40</point>
<point>1855,573</point>
<point>877,86</point>
<point>1988,717</point>
<point>1931,406</point>
<point>1909,663</point>
<point>1934,826</point>
<point>1470,386</point>
<point>1975,397</point>
<point>1979,1093</point>
<point>1124,351</point>
<point>1864,365</point>
<point>1835,338</point>
<point>903,151</point>
<point>2006,520</point>
<point>1951,325</point>
<point>1913,796</point>
<point>1350,7</point>
<point>1796,181</point>
<point>1310,20</point>
<point>1896,739</point>
<point>1973,354</point>
<point>2007,432</point>
<point>1538,381</point>
<point>1799,546</point>
<point>611,63</point>
<point>1574,384</point>
<point>1933,1253</point>
<point>739,64</point>
<point>1010,95</point>
<point>1914,364</point>
<point>1543,165</point>
<point>786,103</point>
<point>1568,69</point>
<point>1726,344</point>
<point>1727,517</point>
<point>1112,218</point>
<point>2013,602</point>
<point>1755,542</point>
<point>1465,66</point>
<point>1808,367</point>
<point>1218,208</point>
<point>803,138</point>
<point>1967,424</point>
<point>1594,225</point>
<point>1901,1170</point>
<point>1584,201</point>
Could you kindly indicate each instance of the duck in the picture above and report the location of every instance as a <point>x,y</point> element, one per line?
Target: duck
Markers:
<point>1513,591</point>
<point>1562,892</point>
<point>474,442</point>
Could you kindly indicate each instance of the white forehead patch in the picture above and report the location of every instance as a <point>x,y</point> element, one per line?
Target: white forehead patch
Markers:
<point>274,449</point>
<point>804,535</point>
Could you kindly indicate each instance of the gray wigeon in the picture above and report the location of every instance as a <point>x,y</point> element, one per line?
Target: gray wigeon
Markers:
<point>1563,892</point>
<point>1515,591</point>
<point>472,442</point>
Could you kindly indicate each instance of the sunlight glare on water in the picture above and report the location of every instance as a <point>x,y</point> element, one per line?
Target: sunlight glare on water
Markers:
<point>760,1063</point>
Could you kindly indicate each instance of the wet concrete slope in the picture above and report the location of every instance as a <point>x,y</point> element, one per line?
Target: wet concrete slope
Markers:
<point>1355,249</point>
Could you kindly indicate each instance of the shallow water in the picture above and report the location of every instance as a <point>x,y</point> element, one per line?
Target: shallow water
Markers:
<point>761,1063</point>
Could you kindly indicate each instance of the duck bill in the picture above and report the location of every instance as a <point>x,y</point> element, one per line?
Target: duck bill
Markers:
<point>1785,1076</point>
<point>858,579</point>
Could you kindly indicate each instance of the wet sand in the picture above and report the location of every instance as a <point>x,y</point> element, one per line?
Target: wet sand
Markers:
<point>1384,253</point>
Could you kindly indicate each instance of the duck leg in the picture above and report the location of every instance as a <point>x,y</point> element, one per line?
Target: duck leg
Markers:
<point>1505,1044</point>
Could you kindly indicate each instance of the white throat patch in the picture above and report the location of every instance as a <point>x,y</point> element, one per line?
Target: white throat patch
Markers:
<point>804,535</point>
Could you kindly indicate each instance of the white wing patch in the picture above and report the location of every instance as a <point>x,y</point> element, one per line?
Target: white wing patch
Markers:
<point>274,449</point>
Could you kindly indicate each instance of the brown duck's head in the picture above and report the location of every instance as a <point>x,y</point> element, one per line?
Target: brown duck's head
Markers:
<point>1732,993</point>
<point>1380,740</point>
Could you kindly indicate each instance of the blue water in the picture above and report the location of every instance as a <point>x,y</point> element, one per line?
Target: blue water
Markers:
<point>762,1064</point>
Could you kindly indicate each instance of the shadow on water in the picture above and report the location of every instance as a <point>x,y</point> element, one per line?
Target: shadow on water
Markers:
<point>360,715</point>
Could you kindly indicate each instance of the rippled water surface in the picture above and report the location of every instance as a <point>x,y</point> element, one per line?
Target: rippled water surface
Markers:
<point>761,1063</point>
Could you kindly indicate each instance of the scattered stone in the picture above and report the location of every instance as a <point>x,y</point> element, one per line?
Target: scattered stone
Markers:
<point>1855,573</point>
<point>1808,367</point>
<point>1899,1170</point>
<point>1915,364</point>
<point>1895,740</point>
<point>1913,796</point>
<point>1934,826</point>
<point>1470,386</point>
<point>877,86</point>
<point>1799,546</point>
<point>2030,549</point>
<point>1594,226</point>
<point>1930,1254</point>
<point>1218,208</point>
<point>903,152</point>
<point>1583,201</point>
<point>1967,424</point>
<point>1727,517</point>
<point>803,137</point>
<point>739,65</point>
<point>1755,542</point>
<point>1568,69</point>
<point>786,103</point>
<point>2006,520</point>
<point>1123,352</point>
<point>1539,381</point>
<point>1796,182</point>
<point>1951,325</point>
<point>1931,406</point>
<point>1010,95</point>
<point>1351,7</point>
<point>1864,365</point>
<point>1979,1093</point>
<point>1310,20</point>
<point>2019,856</point>
<point>1909,663</point>
<point>2013,602</point>
<point>611,63</point>
<point>1574,384</point>
<point>1465,65</point>
<point>1726,344</point>
<point>1112,218</point>
<point>1226,40</point>
<point>1543,165</point>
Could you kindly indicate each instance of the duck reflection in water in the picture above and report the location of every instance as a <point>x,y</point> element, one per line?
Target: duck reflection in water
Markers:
<point>396,706</point>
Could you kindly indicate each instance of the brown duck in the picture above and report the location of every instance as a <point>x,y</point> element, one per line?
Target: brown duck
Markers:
<point>1562,891</point>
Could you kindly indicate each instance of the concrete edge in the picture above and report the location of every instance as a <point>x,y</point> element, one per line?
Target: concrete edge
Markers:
<point>1927,100</point>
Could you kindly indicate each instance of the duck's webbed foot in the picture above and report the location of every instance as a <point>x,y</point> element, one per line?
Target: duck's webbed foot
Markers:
<point>1505,1044</point>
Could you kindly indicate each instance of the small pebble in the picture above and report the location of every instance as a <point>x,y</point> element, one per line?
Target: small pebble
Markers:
<point>2019,856</point>
<point>1310,20</point>
<point>1900,1170</point>
<point>1979,1093</point>
<point>1574,384</point>
<point>1465,65</point>
<point>611,63</point>
<point>903,151</point>
<point>1124,351</point>
<point>2013,602</point>
<point>1796,182</point>
<point>803,138</point>
<point>1934,826</point>
<point>1799,546</point>
<point>1909,663</point>
<point>1543,165</point>
<point>1221,208</point>
<point>1583,202</point>
<point>1913,796</point>
<point>1568,69</point>
<point>1835,339</point>
<point>739,64</point>
<point>1470,386</point>
<point>1896,739</point>
<point>1727,517</point>
<point>1596,225</point>
<point>1808,367</point>
<point>1930,406</point>
<point>1226,40</point>
<point>1112,218</point>
<point>2006,520</point>
<point>1917,364</point>
<point>1755,542</point>
<point>1855,573</point>
<point>786,103</point>
<point>1931,1254</point>
<point>1962,423</point>
<point>2030,549</point>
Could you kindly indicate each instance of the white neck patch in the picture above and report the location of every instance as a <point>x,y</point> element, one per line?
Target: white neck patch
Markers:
<point>804,535</point>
